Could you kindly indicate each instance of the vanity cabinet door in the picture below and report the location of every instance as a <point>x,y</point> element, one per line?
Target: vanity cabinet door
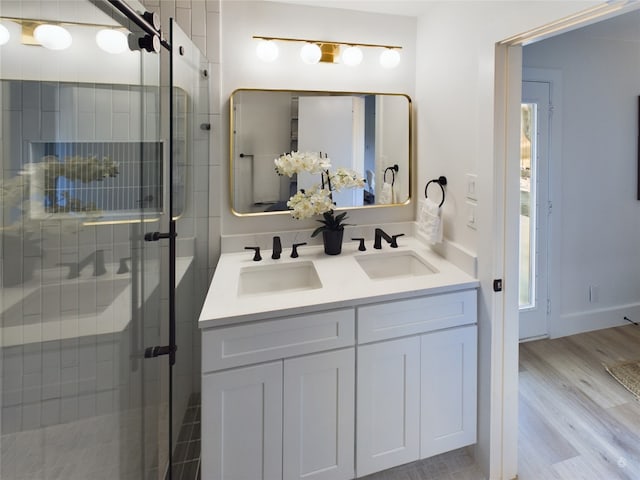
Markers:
<point>448,390</point>
<point>242,423</point>
<point>319,402</point>
<point>388,405</point>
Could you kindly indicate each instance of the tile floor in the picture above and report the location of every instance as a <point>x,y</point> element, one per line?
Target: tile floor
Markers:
<point>186,453</point>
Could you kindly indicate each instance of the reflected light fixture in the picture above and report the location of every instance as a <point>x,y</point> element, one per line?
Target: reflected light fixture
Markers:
<point>112,41</point>
<point>267,50</point>
<point>53,37</point>
<point>4,34</point>
<point>389,58</point>
<point>324,51</point>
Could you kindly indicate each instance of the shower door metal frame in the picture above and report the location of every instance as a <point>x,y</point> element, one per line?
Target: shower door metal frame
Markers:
<point>151,352</point>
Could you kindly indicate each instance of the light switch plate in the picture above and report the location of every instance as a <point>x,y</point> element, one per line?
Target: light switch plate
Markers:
<point>472,220</point>
<point>472,186</point>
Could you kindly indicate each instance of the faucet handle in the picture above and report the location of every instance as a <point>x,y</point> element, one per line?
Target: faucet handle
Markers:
<point>394,240</point>
<point>361,247</point>
<point>294,249</point>
<point>256,256</point>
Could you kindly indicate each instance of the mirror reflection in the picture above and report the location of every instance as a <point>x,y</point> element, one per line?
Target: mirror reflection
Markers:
<point>365,132</point>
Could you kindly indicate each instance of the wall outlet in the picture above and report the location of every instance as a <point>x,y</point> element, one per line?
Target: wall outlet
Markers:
<point>472,220</point>
<point>472,185</point>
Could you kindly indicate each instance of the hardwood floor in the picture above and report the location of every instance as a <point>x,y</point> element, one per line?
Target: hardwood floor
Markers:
<point>576,421</point>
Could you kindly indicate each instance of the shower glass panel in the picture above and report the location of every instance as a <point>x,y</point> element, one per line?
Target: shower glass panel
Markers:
<point>82,179</point>
<point>190,135</point>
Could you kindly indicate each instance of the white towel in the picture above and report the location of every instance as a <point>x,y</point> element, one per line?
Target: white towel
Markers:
<point>386,194</point>
<point>430,221</point>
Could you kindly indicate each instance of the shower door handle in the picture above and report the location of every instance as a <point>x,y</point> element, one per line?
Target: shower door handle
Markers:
<point>155,236</point>
<point>152,352</point>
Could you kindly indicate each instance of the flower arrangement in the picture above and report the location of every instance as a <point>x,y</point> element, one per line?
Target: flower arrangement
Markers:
<point>318,199</point>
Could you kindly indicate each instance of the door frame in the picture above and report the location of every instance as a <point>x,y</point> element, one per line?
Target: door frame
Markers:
<point>503,448</point>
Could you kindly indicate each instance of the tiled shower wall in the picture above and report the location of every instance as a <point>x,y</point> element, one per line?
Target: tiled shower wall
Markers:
<point>60,378</point>
<point>63,338</point>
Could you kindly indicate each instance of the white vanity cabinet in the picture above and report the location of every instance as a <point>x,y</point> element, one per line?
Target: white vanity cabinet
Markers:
<point>304,397</point>
<point>417,393</point>
<point>303,366</point>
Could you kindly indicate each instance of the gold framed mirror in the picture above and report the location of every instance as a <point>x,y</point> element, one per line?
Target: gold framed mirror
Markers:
<point>366,132</point>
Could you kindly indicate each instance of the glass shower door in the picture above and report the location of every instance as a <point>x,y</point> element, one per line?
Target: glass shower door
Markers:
<point>190,167</point>
<point>82,180</point>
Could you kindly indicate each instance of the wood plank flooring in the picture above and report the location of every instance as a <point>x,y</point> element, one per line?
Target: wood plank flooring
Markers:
<point>576,421</point>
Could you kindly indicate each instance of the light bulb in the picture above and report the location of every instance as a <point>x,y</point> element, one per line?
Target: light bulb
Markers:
<point>352,56</point>
<point>112,41</point>
<point>4,34</point>
<point>389,58</point>
<point>53,37</point>
<point>267,50</point>
<point>310,53</point>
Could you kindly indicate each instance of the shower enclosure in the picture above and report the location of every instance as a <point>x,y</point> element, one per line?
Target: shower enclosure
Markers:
<point>104,155</point>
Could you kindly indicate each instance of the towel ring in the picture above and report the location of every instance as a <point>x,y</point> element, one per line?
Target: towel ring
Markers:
<point>393,169</point>
<point>442,181</point>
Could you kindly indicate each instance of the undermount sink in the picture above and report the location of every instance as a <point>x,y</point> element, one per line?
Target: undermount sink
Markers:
<point>288,277</point>
<point>394,265</point>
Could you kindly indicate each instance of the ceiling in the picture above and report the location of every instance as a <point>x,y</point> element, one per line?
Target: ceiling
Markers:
<point>622,27</point>
<point>409,8</point>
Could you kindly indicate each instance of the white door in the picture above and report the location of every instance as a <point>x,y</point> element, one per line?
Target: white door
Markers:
<point>388,405</point>
<point>448,385</point>
<point>242,423</point>
<point>319,422</point>
<point>535,209</point>
<point>333,126</point>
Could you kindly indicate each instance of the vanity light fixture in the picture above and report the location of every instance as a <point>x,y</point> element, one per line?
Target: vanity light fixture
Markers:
<point>4,34</point>
<point>352,56</point>
<point>324,51</point>
<point>389,58</point>
<point>267,50</point>
<point>310,53</point>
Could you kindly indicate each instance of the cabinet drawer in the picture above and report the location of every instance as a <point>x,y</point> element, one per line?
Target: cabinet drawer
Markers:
<point>416,315</point>
<point>233,346</point>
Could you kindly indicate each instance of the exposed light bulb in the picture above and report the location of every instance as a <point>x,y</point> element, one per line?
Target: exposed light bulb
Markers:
<point>310,53</point>
<point>389,58</point>
<point>53,37</point>
<point>112,41</point>
<point>352,56</point>
<point>4,35</point>
<point>267,50</point>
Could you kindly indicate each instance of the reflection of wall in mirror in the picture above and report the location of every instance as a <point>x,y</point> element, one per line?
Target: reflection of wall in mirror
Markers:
<point>335,126</point>
<point>392,144</point>
<point>262,133</point>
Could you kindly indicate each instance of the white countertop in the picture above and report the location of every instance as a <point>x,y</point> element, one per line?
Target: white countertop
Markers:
<point>344,283</point>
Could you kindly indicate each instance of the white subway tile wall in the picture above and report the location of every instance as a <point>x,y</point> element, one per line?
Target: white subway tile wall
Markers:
<point>61,365</point>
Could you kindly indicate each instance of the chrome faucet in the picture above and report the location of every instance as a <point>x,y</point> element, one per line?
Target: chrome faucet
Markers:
<point>392,240</point>
<point>97,258</point>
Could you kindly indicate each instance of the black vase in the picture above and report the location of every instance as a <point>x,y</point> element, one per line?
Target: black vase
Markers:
<point>332,241</point>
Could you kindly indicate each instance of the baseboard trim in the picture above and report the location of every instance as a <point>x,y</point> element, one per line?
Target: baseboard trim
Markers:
<point>581,322</point>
